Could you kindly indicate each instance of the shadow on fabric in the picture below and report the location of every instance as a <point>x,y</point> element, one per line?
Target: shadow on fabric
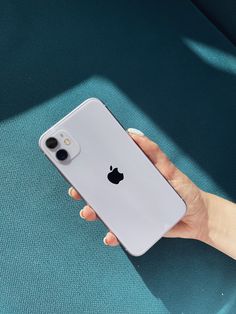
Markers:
<point>186,282</point>
<point>48,47</point>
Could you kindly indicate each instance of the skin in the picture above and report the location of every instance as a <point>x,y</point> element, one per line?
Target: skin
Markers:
<point>208,218</point>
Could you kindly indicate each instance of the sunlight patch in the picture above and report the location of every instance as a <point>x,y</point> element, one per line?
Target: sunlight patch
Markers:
<point>33,122</point>
<point>217,58</point>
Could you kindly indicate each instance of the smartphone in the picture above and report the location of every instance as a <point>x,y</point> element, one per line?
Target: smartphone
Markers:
<point>101,161</point>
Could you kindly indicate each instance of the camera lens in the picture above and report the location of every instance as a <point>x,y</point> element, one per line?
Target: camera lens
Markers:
<point>51,142</point>
<point>61,154</point>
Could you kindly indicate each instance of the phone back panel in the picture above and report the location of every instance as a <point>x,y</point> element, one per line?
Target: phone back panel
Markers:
<point>143,206</point>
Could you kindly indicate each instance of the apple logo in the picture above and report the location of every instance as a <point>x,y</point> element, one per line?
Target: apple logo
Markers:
<point>114,176</point>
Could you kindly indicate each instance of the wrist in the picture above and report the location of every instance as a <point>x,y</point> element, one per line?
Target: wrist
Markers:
<point>220,227</point>
<point>211,230</point>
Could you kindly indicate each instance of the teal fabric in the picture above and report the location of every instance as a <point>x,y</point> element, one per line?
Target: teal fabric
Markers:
<point>162,68</point>
<point>222,14</point>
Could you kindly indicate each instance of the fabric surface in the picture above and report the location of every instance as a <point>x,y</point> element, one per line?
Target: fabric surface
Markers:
<point>161,67</point>
<point>222,14</point>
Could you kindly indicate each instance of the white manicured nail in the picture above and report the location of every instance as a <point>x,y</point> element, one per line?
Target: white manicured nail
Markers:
<point>70,190</point>
<point>105,241</point>
<point>81,214</point>
<point>135,131</point>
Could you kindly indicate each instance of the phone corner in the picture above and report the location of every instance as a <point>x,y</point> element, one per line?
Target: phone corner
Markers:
<point>184,208</point>
<point>94,99</point>
<point>136,253</point>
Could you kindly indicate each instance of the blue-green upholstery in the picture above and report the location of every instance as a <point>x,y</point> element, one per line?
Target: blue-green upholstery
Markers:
<point>220,13</point>
<point>162,68</point>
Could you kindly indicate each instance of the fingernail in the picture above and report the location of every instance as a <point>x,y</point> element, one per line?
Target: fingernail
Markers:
<point>69,191</point>
<point>135,131</point>
<point>81,214</point>
<point>105,240</point>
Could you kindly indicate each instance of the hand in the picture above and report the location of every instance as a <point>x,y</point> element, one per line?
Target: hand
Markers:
<point>194,223</point>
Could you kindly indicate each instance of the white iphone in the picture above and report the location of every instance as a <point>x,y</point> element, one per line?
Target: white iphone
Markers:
<point>102,162</point>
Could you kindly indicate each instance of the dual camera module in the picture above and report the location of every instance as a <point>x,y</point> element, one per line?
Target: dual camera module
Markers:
<point>52,143</point>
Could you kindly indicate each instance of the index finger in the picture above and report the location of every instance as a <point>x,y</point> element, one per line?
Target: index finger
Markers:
<point>74,194</point>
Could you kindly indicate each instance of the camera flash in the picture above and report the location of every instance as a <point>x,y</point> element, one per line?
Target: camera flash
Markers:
<point>67,141</point>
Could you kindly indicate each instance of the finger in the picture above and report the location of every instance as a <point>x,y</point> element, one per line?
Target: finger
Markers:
<point>74,194</point>
<point>88,213</point>
<point>110,239</point>
<point>155,154</point>
<point>180,182</point>
<point>151,149</point>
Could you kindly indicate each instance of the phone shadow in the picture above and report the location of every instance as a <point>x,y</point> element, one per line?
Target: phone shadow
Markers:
<point>184,274</point>
<point>46,49</point>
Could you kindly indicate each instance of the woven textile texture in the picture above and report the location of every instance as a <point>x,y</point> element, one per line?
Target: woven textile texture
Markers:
<point>161,67</point>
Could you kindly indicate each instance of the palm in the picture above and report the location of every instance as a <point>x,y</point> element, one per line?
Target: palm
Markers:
<point>192,224</point>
